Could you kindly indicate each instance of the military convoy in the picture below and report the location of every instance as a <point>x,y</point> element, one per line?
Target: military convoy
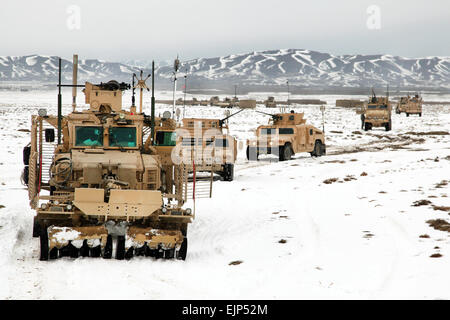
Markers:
<point>409,105</point>
<point>377,113</point>
<point>110,188</point>
<point>285,135</point>
<point>115,181</point>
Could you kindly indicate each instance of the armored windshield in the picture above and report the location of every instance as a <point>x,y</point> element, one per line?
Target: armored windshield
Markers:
<point>372,106</point>
<point>88,136</point>
<point>122,137</point>
<point>166,138</point>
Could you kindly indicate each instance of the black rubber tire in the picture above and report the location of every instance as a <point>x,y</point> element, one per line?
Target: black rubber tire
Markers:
<point>44,244</point>
<point>107,251</point>
<point>287,152</point>
<point>317,152</point>
<point>407,114</point>
<point>366,126</point>
<point>252,154</point>
<point>228,172</point>
<point>95,252</point>
<point>120,250</point>
<point>420,114</point>
<point>281,153</point>
<point>36,228</point>
<point>182,253</point>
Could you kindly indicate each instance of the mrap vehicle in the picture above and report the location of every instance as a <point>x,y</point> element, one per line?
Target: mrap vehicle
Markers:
<point>377,113</point>
<point>102,189</point>
<point>410,105</point>
<point>285,135</point>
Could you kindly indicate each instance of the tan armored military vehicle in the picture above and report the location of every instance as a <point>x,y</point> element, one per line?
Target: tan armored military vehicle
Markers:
<point>102,188</point>
<point>285,135</point>
<point>270,102</point>
<point>410,105</point>
<point>208,142</point>
<point>377,113</point>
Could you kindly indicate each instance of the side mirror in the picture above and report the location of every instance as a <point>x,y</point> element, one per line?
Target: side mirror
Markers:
<point>49,135</point>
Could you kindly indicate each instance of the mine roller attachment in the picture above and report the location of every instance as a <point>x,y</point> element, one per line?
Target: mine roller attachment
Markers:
<point>155,243</point>
<point>57,242</point>
<point>95,241</point>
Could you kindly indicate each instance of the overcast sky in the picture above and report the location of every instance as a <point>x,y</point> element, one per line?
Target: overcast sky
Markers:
<point>117,30</point>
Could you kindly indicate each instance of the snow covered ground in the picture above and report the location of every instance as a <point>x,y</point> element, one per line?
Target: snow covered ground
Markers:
<point>296,236</point>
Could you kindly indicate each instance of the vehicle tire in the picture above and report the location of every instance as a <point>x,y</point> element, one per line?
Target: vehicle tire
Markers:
<point>44,244</point>
<point>388,126</point>
<point>182,253</point>
<point>287,152</point>
<point>407,114</point>
<point>228,172</point>
<point>420,114</point>
<point>281,153</point>
<point>366,126</point>
<point>36,228</point>
<point>252,154</point>
<point>317,152</point>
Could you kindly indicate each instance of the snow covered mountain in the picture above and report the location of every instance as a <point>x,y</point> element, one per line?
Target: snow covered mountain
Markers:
<point>274,67</point>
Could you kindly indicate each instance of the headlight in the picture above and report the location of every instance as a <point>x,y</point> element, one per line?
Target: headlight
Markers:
<point>164,210</point>
<point>42,112</point>
<point>56,202</point>
<point>43,206</point>
<point>122,116</point>
<point>69,207</point>
<point>189,211</point>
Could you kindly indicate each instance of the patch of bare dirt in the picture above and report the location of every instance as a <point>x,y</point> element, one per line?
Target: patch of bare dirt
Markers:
<point>349,178</point>
<point>330,180</point>
<point>235,263</point>
<point>441,184</point>
<point>419,203</point>
<point>282,241</point>
<point>363,174</point>
<point>424,236</point>
<point>334,161</point>
<point>441,208</point>
<point>436,255</point>
<point>335,131</point>
<point>429,133</point>
<point>439,224</point>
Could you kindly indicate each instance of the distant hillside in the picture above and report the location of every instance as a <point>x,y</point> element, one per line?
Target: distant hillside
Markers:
<point>304,68</point>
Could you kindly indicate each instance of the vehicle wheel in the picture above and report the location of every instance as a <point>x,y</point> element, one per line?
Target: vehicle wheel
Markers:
<point>252,154</point>
<point>36,228</point>
<point>388,126</point>
<point>281,153</point>
<point>228,172</point>
<point>407,114</point>
<point>366,126</point>
<point>317,152</point>
<point>287,150</point>
<point>44,244</point>
<point>420,114</point>
<point>182,253</point>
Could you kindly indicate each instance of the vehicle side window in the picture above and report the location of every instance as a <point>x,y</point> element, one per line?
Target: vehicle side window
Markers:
<point>286,131</point>
<point>222,143</point>
<point>291,117</point>
<point>310,132</point>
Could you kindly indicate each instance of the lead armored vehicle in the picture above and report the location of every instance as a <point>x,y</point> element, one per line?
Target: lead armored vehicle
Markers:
<point>285,135</point>
<point>104,187</point>
<point>377,113</point>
